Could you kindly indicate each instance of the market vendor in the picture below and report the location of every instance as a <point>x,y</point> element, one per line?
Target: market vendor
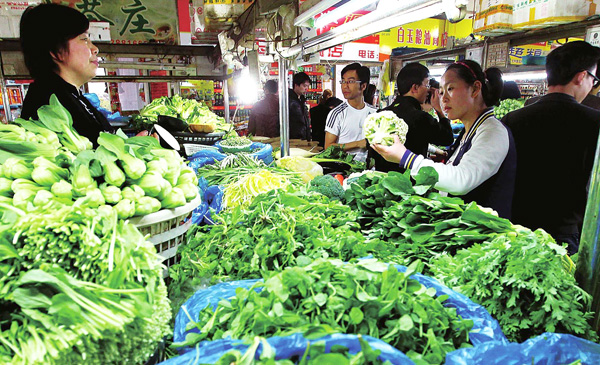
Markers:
<point>482,162</point>
<point>61,58</point>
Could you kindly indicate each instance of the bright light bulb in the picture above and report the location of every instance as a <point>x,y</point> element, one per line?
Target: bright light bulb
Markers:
<point>246,88</point>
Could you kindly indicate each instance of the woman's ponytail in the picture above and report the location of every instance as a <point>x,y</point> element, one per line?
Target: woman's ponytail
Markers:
<point>492,89</point>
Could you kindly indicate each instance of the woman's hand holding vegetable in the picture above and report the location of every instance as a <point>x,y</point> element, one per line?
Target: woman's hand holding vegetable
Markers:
<point>391,153</point>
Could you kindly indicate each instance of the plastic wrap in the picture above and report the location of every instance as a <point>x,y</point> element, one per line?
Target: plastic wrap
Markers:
<point>548,348</point>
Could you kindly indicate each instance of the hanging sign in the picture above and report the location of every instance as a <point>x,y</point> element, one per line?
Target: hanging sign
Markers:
<point>133,21</point>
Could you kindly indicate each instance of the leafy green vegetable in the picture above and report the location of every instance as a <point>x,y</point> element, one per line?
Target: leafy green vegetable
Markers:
<point>520,280</point>
<point>134,168</point>
<point>277,230</point>
<point>58,119</point>
<point>78,286</point>
<point>394,308</point>
<point>337,154</point>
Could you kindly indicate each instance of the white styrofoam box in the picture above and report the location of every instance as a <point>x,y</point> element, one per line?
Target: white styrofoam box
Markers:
<point>493,17</point>
<point>99,31</point>
<point>10,16</point>
<point>529,14</point>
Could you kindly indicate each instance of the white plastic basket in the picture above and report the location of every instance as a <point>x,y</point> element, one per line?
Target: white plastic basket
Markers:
<point>190,149</point>
<point>167,229</point>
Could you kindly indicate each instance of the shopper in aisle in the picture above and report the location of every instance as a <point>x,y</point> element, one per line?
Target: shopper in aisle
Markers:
<point>344,126</point>
<point>61,58</point>
<point>482,162</point>
<point>370,94</point>
<point>299,121</point>
<point>510,91</point>
<point>264,116</point>
<point>319,113</point>
<point>551,191</point>
<point>591,99</point>
<point>423,129</point>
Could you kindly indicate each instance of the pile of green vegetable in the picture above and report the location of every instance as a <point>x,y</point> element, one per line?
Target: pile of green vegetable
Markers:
<point>279,229</point>
<point>78,285</point>
<point>188,110</point>
<point>314,355</point>
<point>506,106</point>
<point>365,297</point>
<point>235,166</point>
<point>520,279</point>
<point>236,142</point>
<point>421,228</point>
<point>337,154</point>
<point>135,175</point>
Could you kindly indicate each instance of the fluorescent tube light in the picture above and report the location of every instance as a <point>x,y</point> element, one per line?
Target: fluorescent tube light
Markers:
<point>534,75</point>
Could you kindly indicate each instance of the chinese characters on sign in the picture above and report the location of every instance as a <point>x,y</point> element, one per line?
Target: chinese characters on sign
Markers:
<point>497,55</point>
<point>134,21</point>
<point>353,52</point>
<point>421,37</point>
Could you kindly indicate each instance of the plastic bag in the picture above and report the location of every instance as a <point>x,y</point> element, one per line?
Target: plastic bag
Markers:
<point>262,152</point>
<point>547,348</point>
<point>308,169</point>
<point>204,157</point>
<point>111,117</point>
<point>209,352</point>
<point>200,300</point>
<point>485,328</point>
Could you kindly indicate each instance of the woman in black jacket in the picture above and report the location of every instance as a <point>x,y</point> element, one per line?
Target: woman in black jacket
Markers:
<point>61,58</point>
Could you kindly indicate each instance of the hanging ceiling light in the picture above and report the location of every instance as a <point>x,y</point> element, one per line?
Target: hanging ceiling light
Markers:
<point>389,13</point>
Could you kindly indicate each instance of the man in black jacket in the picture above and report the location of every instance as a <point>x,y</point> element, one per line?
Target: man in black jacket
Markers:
<point>299,120</point>
<point>423,129</point>
<point>551,190</point>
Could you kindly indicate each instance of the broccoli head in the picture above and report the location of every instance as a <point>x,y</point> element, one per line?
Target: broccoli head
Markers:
<point>328,186</point>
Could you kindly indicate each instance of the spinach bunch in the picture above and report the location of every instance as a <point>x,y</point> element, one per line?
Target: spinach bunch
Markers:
<point>373,193</point>
<point>520,279</point>
<point>277,230</point>
<point>420,228</point>
<point>365,297</point>
<point>314,354</point>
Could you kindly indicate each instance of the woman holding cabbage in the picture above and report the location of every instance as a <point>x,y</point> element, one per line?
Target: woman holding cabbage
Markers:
<point>61,58</point>
<point>482,162</point>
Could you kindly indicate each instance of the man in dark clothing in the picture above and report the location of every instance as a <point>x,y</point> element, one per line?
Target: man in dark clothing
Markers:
<point>423,129</point>
<point>551,191</point>
<point>318,117</point>
<point>264,116</point>
<point>299,120</point>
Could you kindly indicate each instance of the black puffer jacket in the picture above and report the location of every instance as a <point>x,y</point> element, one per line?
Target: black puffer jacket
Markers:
<point>299,119</point>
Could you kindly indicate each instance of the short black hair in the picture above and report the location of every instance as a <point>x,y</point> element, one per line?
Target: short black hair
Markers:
<point>369,93</point>
<point>46,29</point>
<point>510,91</point>
<point>300,78</point>
<point>491,80</point>
<point>567,60</point>
<point>271,86</point>
<point>364,75</point>
<point>412,74</point>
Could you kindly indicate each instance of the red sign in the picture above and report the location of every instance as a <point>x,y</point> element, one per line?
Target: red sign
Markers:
<point>373,39</point>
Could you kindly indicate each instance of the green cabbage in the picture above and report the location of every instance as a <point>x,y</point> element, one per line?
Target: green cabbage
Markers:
<point>379,128</point>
